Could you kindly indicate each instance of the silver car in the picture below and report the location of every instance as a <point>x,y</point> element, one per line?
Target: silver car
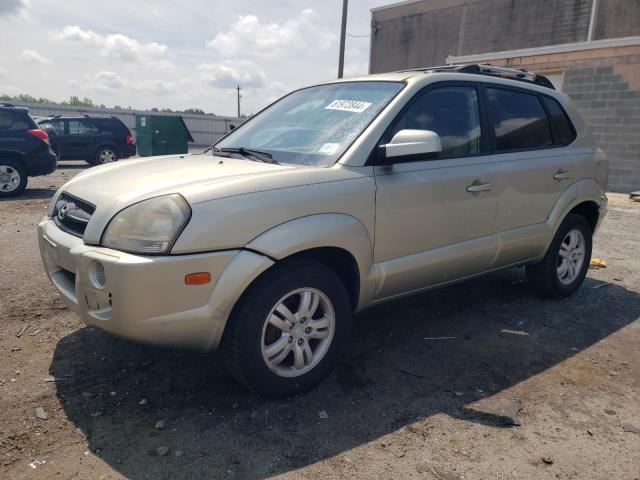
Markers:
<point>335,198</point>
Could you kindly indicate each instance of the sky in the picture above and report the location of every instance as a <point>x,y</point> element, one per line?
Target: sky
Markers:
<point>177,55</point>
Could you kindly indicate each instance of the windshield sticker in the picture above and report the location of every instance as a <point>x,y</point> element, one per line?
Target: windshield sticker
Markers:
<point>348,106</point>
<point>329,148</point>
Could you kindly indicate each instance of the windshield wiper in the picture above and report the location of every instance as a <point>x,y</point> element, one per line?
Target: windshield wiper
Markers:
<point>249,152</point>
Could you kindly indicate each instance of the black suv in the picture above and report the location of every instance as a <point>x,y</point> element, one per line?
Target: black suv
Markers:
<point>96,140</point>
<point>24,150</point>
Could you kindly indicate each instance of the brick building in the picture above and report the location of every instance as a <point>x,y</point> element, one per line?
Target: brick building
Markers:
<point>589,49</point>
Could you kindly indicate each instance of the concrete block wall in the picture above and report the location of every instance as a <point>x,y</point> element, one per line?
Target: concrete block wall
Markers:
<point>612,108</point>
<point>605,85</point>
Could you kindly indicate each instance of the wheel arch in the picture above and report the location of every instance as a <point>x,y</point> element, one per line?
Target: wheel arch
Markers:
<point>109,145</point>
<point>340,242</point>
<point>12,155</point>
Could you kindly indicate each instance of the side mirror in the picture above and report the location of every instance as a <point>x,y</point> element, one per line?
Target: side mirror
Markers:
<point>412,144</point>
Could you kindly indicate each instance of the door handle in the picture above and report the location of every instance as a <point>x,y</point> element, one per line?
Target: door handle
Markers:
<point>478,186</point>
<point>562,175</point>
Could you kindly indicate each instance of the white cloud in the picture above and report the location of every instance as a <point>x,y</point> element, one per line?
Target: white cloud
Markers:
<point>157,87</point>
<point>31,56</point>
<point>251,37</point>
<point>12,7</point>
<point>109,82</point>
<point>3,72</point>
<point>10,90</point>
<point>230,73</point>
<point>115,46</point>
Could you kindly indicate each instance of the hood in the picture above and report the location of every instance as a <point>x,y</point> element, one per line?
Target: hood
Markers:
<point>198,178</point>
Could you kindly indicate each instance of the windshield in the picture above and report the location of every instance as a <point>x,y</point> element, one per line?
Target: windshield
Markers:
<point>313,126</point>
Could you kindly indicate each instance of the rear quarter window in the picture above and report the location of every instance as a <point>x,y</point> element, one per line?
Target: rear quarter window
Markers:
<point>6,120</point>
<point>562,123</point>
<point>110,125</point>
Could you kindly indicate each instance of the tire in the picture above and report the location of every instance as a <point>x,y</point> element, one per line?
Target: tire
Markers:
<point>13,178</point>
<point>553,277</point>
<point>249,333</point>
<point>104,155</point>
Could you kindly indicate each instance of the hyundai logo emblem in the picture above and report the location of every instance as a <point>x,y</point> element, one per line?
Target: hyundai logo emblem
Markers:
<point>63,211</point>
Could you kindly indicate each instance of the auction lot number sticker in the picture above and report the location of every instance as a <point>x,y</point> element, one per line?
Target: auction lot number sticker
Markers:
<point>354,106</point>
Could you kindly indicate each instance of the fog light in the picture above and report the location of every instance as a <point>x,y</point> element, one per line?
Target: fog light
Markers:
<point>98,276</point>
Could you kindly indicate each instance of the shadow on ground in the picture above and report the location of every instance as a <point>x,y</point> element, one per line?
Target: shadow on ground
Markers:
<point>389,378</point>
<point>31,194</point>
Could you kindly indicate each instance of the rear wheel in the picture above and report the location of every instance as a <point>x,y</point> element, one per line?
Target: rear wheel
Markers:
<point>13,178</point>
<point>565,265</point>
<point>104,155</point>
<point>286,332</point>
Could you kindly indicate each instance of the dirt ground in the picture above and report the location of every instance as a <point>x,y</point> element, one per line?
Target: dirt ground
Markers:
<point>430,387</point>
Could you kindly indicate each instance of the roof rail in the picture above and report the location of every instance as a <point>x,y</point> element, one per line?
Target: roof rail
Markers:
<point>6,104</point>
<point>491,70</point>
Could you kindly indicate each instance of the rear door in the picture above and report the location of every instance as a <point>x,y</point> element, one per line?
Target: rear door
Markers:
<point>535,169</point>
<point>82,139</point>
<point>435,216</point>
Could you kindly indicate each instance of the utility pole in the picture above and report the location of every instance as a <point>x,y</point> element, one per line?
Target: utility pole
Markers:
<point>343,34</point>
<point>238,89</point>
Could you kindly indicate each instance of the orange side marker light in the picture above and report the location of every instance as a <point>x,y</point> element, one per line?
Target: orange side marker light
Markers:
<point>200,278</point>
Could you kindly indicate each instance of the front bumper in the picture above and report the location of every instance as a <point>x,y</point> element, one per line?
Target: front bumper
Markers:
<point>145,298</point>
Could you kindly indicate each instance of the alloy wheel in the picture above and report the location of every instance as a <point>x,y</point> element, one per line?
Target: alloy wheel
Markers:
<point>571,257</point>
<point>9,178</point>
<point>298,332</point>
<point>107,156</point>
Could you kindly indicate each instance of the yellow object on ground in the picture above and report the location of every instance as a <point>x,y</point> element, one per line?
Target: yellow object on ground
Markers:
<point>598,263</point>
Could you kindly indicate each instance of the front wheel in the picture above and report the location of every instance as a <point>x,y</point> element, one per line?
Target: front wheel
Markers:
<point>286,332</point>
<point>13,178</point>
<point>104,155</point>
<point>565,265</point>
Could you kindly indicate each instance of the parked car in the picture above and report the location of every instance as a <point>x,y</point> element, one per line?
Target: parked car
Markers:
<point>96,140</point>
<point>335,198</point>
<point>24,150</point>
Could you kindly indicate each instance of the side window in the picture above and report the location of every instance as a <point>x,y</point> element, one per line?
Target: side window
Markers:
<point>21,124</point>
<point>518,119</point>
<point>452,113</point>
<point>566,132</point>
<point>6,119</point>
<point>58,125</point>
<point>81,127</point>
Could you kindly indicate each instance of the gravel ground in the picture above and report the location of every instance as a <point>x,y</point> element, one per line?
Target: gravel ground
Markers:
<point>430,387</point>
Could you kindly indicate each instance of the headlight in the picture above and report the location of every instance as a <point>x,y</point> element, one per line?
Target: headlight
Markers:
<point>148,227</point>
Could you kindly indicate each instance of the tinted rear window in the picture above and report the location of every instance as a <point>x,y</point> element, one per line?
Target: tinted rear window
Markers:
<point>109,125</point>
<point>16,120</point>
<point>519,120</point>
<point>566,132</point>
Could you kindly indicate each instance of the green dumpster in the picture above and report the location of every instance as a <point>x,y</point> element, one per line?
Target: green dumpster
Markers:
<point>161,135</point>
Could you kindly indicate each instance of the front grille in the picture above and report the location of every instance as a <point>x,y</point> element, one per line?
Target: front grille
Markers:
<point>72,214</point>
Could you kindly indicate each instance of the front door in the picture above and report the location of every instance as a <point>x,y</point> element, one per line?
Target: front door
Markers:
<point>435,217</point>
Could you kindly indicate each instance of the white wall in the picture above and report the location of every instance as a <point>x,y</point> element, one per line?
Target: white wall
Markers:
<point>205,129</point>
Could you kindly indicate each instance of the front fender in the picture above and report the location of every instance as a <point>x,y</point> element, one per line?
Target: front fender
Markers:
<point>316,231</point>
